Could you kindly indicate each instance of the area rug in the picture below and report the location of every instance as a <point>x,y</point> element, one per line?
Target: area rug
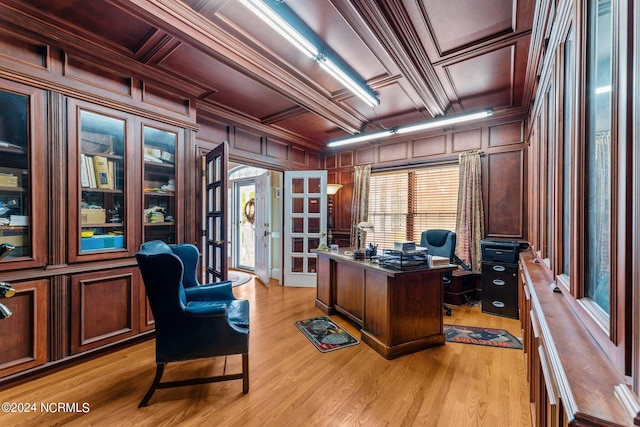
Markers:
<point>481,336</point>
<point>238,277</point>
<point>325,334</point>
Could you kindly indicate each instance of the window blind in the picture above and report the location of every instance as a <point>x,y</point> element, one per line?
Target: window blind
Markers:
<point>403,204</point>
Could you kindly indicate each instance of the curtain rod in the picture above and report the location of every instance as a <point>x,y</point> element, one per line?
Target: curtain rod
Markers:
<point>415,165</point>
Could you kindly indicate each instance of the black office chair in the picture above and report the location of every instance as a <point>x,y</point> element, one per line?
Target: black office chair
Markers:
<point>195,322</point>
<point>441,243</point>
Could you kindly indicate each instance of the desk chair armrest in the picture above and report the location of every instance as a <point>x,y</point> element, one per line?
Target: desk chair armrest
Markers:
<point>220,291</point>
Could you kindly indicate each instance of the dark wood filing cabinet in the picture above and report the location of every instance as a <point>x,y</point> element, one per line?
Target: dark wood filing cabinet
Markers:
<point>500,289</point>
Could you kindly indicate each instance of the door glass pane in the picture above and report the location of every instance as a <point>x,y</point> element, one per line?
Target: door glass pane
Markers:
<point>159,184</point>
<point>315,185</point>
<point>297,245</point>
<point>297,264</point>
<point>103,181</point>
<point>313,243</point>
<point>297,186</point>
<point>314,225</point>
<point>598,157</point>
<point>297,205</point>
<point>314,205</point>
<point>14,175</point>
<point>297,225</point>
<point>311,268</point>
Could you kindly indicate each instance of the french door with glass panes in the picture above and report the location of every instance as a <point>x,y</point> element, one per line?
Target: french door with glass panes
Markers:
<point>305,225</point>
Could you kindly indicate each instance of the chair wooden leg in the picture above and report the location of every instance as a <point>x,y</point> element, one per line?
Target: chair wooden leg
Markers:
<point>245,373</point>
<point>154,385</point>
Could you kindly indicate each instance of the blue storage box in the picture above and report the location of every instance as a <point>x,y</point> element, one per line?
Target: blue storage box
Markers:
<point>101,242</point>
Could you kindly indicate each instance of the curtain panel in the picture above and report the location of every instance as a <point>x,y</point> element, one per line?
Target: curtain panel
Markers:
<point>360,201</point>
<point>470,217</point>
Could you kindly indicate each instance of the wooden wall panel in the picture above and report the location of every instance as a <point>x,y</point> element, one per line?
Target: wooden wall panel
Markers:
<point>314,161</point>
<point>24,51</point>
<point>390,153</point>
<point>23,335</point>
<point>298,156</point>
<point>346,159</point>
<point>331,161</point>
<point>212,130</point>
<point>467,140</point>
<point>504,195</point>
<point>277,150</point>
<point>104,307</point>
<point>80,70</point>
<point>161,98</point>
<point>365,156</point>
<point>429,146</point>
<point>246,141</point>
<point>508,133</point>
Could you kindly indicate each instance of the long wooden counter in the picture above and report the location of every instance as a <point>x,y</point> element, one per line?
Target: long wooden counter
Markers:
<point>400,312</point>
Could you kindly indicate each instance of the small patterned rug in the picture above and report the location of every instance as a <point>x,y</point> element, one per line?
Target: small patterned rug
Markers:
<point>325,334</point>
<point>238,277</point>
<point>481,336</point>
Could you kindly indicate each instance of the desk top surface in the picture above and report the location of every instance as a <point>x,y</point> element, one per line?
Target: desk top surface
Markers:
<point>345,255</point>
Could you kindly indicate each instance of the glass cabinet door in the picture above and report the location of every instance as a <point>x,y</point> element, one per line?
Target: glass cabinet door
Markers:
<point>159,204</point>
<point>102,179</point>
<point>15,238</point>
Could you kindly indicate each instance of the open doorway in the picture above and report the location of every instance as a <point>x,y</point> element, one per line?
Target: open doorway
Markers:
<point>243,208</point>
<point>254,221</point>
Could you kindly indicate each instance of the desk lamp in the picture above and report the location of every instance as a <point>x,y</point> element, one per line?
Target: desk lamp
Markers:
<point>362,226</point>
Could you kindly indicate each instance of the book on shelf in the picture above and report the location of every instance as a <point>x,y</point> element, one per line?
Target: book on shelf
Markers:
<point>84,172</point>
<point>88,160</point>
<point>111,176</point>
<point>101,170</point>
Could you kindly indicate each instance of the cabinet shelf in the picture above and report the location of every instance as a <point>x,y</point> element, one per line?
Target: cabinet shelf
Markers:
<point>12,189</point>
<point>104,225</point>
<point>158,224</point>
<point>158,194</point>
<point>169,167</point>
<point>105,155</point>
<point>101,190</point>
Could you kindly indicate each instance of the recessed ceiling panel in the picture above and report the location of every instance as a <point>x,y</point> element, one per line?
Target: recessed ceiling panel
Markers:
<point>485,80</point>
<point>459,23</point>
<point>101,18</point>
<point>231,88</point>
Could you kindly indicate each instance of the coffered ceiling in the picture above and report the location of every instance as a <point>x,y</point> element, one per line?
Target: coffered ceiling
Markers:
<point>423,58</point>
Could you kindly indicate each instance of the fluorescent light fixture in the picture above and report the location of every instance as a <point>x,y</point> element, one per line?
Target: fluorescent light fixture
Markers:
<point>603,89</point>
<point>286,30</point>
<point>439,122</point>
<point>330,67</point>
<point>360,138</point>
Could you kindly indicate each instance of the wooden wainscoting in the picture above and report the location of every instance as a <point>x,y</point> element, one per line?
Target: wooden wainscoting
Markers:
<point>104,307</point>
<point>23,335</point>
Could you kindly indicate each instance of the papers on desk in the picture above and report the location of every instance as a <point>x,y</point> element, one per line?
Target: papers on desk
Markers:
<point>438,261</point>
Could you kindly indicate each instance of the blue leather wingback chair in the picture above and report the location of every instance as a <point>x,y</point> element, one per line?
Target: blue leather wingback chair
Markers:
<point>192,321</point>
<point>441,243</point>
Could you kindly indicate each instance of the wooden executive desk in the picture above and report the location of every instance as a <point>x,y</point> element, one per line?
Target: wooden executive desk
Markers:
<point>400,311</point>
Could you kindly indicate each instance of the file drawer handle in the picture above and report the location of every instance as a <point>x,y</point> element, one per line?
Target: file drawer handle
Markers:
<point>498,282</point>
<point>498,268</point>
<point>498,304</point>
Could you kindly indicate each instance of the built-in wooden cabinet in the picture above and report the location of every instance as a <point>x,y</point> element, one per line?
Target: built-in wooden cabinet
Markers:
<point>160,145</point>
<point>22,201</point>
<point>102,182</point>
<point>104,307</point>
<point>25,333</point>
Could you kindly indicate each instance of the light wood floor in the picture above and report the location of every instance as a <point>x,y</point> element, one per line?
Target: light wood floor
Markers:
<point>292,383</point>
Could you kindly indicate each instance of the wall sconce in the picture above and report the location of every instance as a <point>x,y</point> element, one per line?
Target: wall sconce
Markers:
<point>332,189</point>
